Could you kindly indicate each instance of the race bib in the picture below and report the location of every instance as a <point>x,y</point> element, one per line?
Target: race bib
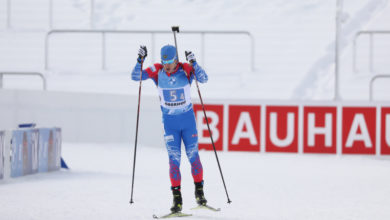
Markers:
<point>175,98</point>
<point>174,95</point>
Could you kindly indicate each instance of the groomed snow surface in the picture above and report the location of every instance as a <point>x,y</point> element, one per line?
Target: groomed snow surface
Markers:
<point>261,186</point>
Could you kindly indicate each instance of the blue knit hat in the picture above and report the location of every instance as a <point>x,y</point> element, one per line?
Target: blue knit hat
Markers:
<point>168,54</point>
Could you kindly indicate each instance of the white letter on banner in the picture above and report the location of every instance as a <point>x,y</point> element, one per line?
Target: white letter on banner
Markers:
<point>387,131</point>
<point>359,121</point>
<point>327,130</point>
<point>203,126</point>
<point>290,130</point>
<point>244,120</point>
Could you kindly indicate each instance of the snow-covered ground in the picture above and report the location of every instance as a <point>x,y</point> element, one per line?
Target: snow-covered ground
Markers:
<point>264,186</point>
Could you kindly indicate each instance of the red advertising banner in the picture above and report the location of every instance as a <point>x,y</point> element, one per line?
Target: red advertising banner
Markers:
<point>282,129</point>
<point>359,130</point>
<point>215,118</point>
<point>244,128</point>
<point>319,129</point>
<point>385,131</point>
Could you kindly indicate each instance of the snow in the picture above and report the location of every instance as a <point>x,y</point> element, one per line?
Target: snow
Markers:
<point>263,186</point>
<point>294,44</point>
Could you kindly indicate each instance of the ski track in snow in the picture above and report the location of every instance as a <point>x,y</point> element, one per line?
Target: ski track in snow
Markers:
<point>260,185</point>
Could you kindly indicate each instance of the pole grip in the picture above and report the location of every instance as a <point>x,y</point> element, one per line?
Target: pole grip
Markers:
<point>175,28</point>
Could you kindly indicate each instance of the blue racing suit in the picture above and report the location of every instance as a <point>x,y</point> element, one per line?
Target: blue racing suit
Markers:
<point>177,113</point>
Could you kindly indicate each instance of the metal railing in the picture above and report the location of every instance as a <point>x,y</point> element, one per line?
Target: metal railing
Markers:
<point>372,82</point>
<point>371,51</point>
<point>23,73</point>
<point>91,13</point>
<point>153,33</point>
<point>8,13</point>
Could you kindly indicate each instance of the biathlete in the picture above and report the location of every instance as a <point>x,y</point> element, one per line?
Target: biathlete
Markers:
<point>173,80</point>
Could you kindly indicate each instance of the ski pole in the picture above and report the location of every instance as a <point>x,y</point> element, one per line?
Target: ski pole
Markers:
<point>174,29</point>
<point>212,141</point>
<point>136,131</point>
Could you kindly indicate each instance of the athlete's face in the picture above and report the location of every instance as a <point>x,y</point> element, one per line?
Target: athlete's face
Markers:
<point>169,68</point>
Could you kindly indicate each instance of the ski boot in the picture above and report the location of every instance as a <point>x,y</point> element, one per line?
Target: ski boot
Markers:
<point>199,194</point>
<point>177,200</point>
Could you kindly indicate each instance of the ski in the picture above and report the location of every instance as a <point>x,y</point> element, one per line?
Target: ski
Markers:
<point>172,214</point>
<point>207,207</point>
<point>181,214</point>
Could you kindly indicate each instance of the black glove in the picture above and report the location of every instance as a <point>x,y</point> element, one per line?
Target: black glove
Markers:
<point>190,57</point>
<point>142,53</point>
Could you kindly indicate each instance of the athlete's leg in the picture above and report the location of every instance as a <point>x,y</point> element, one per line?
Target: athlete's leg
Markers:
<point>173,143</point>
<point>190,139</point>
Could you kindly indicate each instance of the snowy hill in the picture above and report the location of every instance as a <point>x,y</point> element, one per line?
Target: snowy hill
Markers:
<point>294,44</point>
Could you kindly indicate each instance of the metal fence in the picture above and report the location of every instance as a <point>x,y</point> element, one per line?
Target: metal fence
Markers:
<point>25,74</point>
<point>373,79</point>
<point>371,48</point>
<point>153,34</point>
<point>91,13</point>
<point>370,57</point>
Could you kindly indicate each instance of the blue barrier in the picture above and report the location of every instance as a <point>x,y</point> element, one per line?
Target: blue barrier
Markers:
<point>35,150</point>
<point>24,152</point>
<point>49,149</point>
<point>2,154</point>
